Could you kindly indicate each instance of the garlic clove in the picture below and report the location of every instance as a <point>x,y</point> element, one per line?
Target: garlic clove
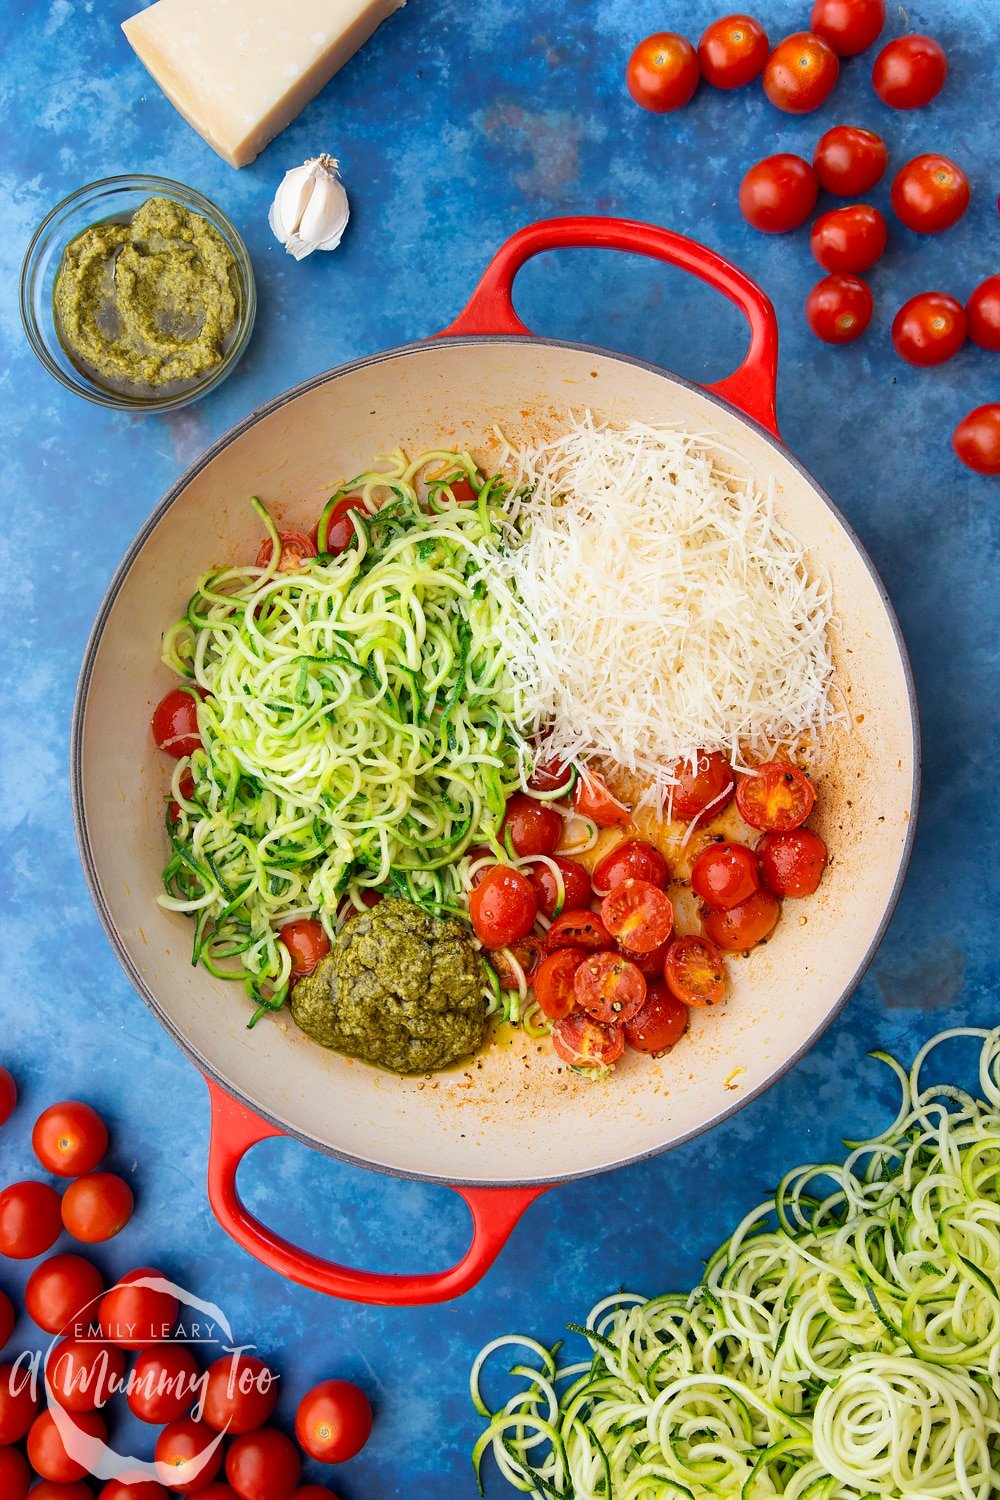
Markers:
<point>310,210</point>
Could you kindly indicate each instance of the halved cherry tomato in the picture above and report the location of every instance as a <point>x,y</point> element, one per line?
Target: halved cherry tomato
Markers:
<point>82,1374</point>
<point>850,160</point>
<point>528,953</point>
<point>662,72</point>
<point>849,239</point>
<point>694,972</point>
<point>46,1451</point>
<point>638,914</point>
<point>909,71</point>
<point>592,799</point>
<point>503,907</point>
<point>930,193</point>
<point>976,439</point>
<point>709,784</point>
<point>608,987</point>
<point>650,964</point>
<point>578,929</point>
<point>530,827</point>
<point>839,308</point>
<point>307,943</point>
<point>584,1043</point>
<point>724,875</point>
<point>175,723</point>
<point>63,1293</point>
<point>554,982</point>
<point>576,888</point>
<point>775,795</point>
<point>778,194</point>
<point>29,1219</point>
<point>633,858</point>
<point>792,863</point>
<point>69,1138</point>
<point>743,926</point>
<point>848,25</point>
<point>929,329</point>
<point>800,73</point>
<point>164,1384</point>
<point>732,51</point>
<point>96,1206</point>
<point>340,532</point>
<point>134,1315</point>
<point>660,1023</point>
<point>983,313</point>
<point>296,550</point>
<point>182,1449</point>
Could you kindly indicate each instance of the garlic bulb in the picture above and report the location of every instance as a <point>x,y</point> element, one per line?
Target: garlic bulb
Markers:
<point>310,209</point>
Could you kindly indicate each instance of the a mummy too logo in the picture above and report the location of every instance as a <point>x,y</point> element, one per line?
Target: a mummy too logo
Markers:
<point>170,1354</point>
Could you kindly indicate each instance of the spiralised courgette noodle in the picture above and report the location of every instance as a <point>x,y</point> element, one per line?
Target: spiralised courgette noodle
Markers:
<point>358,723</point>
<point>844,1343</point>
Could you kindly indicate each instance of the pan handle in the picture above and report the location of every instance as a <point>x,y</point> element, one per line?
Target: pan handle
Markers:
<point>495,1211</point>
<point>490,309</point>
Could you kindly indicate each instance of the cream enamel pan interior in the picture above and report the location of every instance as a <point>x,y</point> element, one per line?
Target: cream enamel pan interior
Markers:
<point>514,1113</point>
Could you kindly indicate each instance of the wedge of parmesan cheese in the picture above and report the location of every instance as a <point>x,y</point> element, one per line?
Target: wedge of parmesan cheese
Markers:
<point>239,71</point>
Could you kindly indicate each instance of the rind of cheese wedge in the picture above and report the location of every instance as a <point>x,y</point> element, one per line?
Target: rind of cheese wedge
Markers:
<point>239,71</point>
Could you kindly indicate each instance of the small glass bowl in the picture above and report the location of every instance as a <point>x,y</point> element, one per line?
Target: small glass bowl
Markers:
<point>118,198</point>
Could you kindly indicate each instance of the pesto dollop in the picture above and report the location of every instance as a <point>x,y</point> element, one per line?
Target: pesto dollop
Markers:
<point>400,988</point>
<point>148,303</point>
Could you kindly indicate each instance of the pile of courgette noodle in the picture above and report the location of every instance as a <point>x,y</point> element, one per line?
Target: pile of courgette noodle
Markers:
<point>843,1344</point>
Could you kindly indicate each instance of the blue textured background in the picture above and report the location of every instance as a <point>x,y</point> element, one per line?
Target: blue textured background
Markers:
<point>458,123</point>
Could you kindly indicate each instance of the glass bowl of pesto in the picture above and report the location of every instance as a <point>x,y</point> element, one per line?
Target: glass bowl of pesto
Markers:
<point>137,293</point>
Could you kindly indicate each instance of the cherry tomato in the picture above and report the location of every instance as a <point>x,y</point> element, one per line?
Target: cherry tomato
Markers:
<point>186,1459</point>
<point>554,982</point>
<point>724,875</point>
<point>848,25</point>
<point>163,1384</point>
<point>584,1043</point>
<point>976,439</point>
<point>463,492</point>
<point>46,1450</point>
<point>18,1403</point>
<point>97,1206</point>
<point>930,193</point>
<point>650,964</point>
<point>550,776</point>
<point>776,195</point>
<point>263,1465</point>
<point>800,73</point>
<point>313,1492</point>
<point>609,988</point>
<point>29,1219</point>
<point>849,239</point>
<point>141,1489</point>
<point>241,1392</point>
<point>340,531</point>
<point>46,1490</point>
<point>634,857</point>
<point>839,308</point>
<point>694,972</point>
<point>732,51</point>
<point>220,1491</point>
<point>307,942</point>
<point>909,71</point>
<point>8,1318</point>
<point>578,929</point>
<point>775,795</point>
<point>528,953</point>
<point>15,1476</point>
<point>186,789</point>
<point>638,914</point>
<point>175,723</point>
<point>929,329</point>
<point>662,72</point>
<point>63,1293</point>
<point>707,786</point>
<point>296,550</point>
<point>530,827</point>
<point>8,1095</point>
<point>576,888</point>
<point>850,160</point>
<point>983,313</point>
<point>69,1138</point>
<point>792,863</point>
<point>591,799</point>
<point>743,926</point>
<point>503,907</point>
<point>660,1023</point>
<point>134,1315</point>
<point>333,1421</point>
<point>82,1374</point>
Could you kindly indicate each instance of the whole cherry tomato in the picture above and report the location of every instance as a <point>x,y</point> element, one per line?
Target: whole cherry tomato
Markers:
<point>909,72</point>
<point>8,1095</point>
<point>800,73</point>
<point>662,72</point>
<point>929,329</point>
<point>554,982</point>
<point>15,1475</point>
<point>706,785</point>
<point>634,857</point>
<point>163,1384</point>
<point>64,1293</point>
<point>307,943</point>
<point>778,194</point>
<point>792,863</point>
<point>340,529</point>
<point>8,1318</point>
<point>29,1219</point>
<point>47,1452</point>
<point>775,795</point>
<point>638,914</point>
<point>188,1455</point>
<point>930,193</point>
<point>69,1138</point>
<point>530,826</point>
<point>659,1024</point>
<point>848,25</point>
<point>850,160</point>
<point>137,1489</point>
<point>592,800</point>
<point>46,1490</point>
<point>18,1403</point>
<point>694,972</point>
<point>976,439</point>
<point>333,1421</point>
<point>732,51</point>
<point>95,1207</point>
<point>576,888</point>
<point>263,1465</point>
<point>608,988</point>
<point>746,925</point>
<point>175,723</point>
<point>725,874</point>
<point>503,907</point>
<point>308,1492</point>
<point>134,1314</point>
<point>241,1392</point>
<point>849,239</point>
<point>82,1374</point>
<point>839,308</point>
<point>983,314</point>
<point>296,550</point>
<point>584,1043</point>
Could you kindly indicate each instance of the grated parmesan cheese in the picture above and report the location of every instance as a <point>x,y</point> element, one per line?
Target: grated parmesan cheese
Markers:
<point>671,612</point>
